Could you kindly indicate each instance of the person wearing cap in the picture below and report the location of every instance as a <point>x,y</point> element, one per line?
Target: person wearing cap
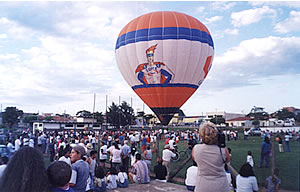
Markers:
<point>166,156</point>
<point>80,169</point>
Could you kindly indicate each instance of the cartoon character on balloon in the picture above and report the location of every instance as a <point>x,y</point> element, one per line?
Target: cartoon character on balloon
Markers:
<point>153,72</point>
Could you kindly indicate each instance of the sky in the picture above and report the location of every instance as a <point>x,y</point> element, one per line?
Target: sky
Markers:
<point>54,56</point>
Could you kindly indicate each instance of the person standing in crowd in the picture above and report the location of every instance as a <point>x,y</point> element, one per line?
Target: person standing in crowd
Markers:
<point>139,172</point>
<point>191,177</point>
<point>266,148</point>
<point>273,182</point>
<point>246,180</point>
<point>287,142</point>
<point>167,155</point>
<point>147,156</point>
<point>250,159</point>
<point>280,146</point>
<point>66,156</point>
<point>59,174</point>
<point>125,152</point>
<point>116,157</point>
<point>103,154</point>
<point>25,171</point>
<point>160,171</point>
<point>80,169</point>
<point>210,159</point>
<point>17,143</point>
<point>92,160</point>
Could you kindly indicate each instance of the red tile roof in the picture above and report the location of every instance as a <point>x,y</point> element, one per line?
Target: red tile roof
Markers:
<point>240,119</point>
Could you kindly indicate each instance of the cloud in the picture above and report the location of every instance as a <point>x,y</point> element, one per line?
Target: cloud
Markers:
<point>222,5</point>
<point>212,19</point>
<point>254,59</point>
<point>290,24</point>
<point>3,36</point>
<point>291,4</point>
<point>231,31</point>
<point>14,30</point>
<point>200,9</point>
<point>250,16</point>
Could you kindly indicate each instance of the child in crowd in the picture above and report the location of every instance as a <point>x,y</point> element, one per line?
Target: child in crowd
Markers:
<point>250,159</point>
<point>111,179</point>
<point>191,176</point>
<point>122,178</point>
<point>133,155</point>
<point>99,180</point>
<point>273,182</point>
<point>160,171</point>
<point>59,174</point>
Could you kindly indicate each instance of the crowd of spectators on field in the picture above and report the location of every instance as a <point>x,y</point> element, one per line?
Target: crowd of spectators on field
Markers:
<point>100,161</point>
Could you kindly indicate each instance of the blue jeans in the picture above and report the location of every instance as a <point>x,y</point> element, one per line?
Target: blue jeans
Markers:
<point>190,188</point>
<point>266,157</point>
<point>287,143</point>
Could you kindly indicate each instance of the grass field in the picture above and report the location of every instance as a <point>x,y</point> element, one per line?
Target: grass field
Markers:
<point>288,163</point>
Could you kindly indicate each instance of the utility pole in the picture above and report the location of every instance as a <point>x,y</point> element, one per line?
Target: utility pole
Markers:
<point>119,112</point>
<point>93,111</point>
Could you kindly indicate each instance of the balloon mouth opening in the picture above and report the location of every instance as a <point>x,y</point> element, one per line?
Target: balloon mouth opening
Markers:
<point>165,114</point>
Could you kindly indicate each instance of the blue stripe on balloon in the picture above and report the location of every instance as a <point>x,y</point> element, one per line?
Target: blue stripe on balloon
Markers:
<point>163,34</point>
<point>165,85</point>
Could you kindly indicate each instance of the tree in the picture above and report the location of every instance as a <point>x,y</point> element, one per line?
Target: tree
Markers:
<point>217,120</point>
<point>11,116</point>
<point>258,113</point>
<point>84,113</point>
<point>284,114</point>
<point>120,115</point>
<point>99,117</point>
<point>30,118</point>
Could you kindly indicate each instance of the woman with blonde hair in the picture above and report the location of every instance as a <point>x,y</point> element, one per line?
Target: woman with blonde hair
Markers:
<point>210,159</point>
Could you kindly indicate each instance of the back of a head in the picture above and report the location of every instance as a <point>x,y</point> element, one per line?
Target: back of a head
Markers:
<point>246,170</point>
<point>99,172</point>
<point>25,172</point>
<point>138,156</point>
<point>59,173</point>
<point>159,160</point>
<point>208,133</point>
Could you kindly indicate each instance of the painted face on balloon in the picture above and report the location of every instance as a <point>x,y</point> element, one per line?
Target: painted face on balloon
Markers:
<point>150,58</point>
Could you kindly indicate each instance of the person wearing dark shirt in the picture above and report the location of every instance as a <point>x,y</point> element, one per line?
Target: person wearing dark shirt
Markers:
<point>160,171</point>
<point>192,142</point>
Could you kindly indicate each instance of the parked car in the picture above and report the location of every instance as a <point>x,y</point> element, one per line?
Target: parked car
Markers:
<point>255,132</point>
<point>4,152</point>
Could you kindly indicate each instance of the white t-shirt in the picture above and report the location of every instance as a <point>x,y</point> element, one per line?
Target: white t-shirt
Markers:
<point>167,155</point>
<point>246,184</point>
<point>17,144</point>
<point>104,154</point>
<point>116,156</point>
<point>250,160</point>
<point>287,138</point>
<point>67,160</point>
<point>31,143</point>
<point>171,143</point>
<point>122,176</point>
<point>191,176</point>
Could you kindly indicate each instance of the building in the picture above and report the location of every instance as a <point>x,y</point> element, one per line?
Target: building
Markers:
<point>240,122</point>
<point>223,114</point>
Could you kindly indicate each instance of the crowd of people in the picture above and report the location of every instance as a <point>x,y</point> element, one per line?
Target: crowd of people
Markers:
<point>100,161</point>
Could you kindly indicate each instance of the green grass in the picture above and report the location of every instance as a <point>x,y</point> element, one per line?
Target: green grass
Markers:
<point>288,163</point>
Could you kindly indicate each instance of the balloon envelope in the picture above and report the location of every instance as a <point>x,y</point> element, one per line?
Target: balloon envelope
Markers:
<point>164,56</point>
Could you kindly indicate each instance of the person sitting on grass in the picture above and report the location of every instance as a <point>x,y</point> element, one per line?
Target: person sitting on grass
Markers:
<point>99,180</point>
<point>160,171</point>
<point>111,178</point>
<point>246,180</point>
<point>122,178</point>
<point>139,172</point>
<point>191,175</point>
<point>59,174</point>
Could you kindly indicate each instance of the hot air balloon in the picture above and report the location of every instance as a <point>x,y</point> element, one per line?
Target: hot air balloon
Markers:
<point>164,56</point>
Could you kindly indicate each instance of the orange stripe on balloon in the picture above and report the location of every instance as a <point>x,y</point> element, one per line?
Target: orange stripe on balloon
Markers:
<point>162,19</point>
<point>206,66</point>
<point>165,96</point>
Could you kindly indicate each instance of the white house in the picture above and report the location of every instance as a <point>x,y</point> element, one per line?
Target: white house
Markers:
<point>240,122</point>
